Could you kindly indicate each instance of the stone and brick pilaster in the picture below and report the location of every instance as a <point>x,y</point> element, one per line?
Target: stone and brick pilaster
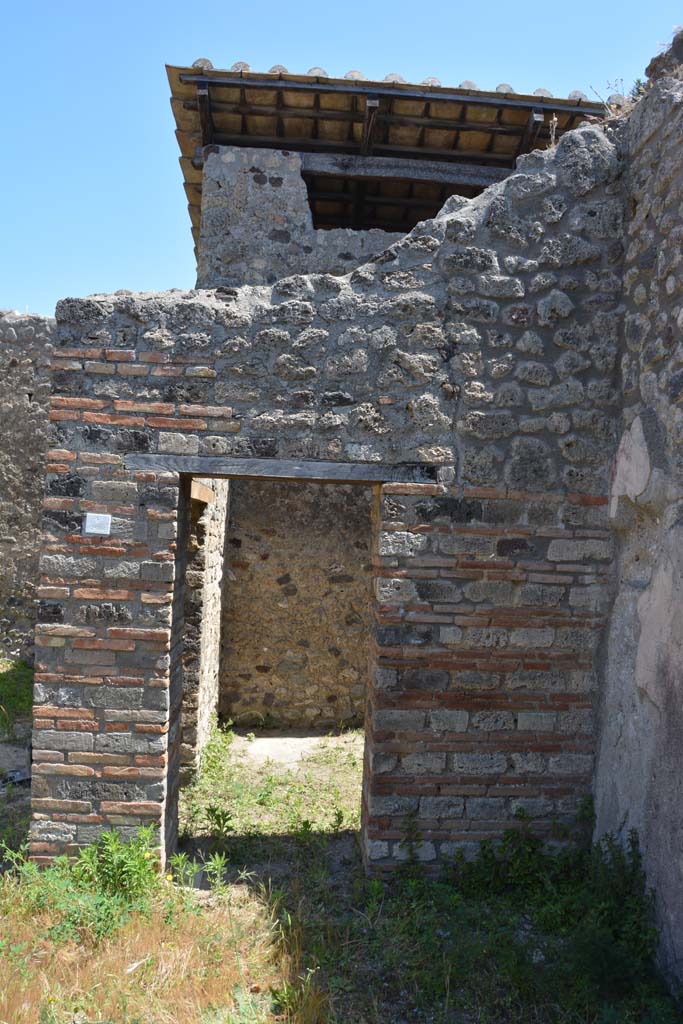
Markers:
<point>489,610</point>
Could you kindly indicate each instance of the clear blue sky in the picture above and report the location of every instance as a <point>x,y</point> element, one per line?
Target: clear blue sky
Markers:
<point>90,188</point>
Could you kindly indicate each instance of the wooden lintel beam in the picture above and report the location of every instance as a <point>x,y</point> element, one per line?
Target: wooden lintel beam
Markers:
<point>286,469</point>
<point>353,166</point>
<point>200,492</point>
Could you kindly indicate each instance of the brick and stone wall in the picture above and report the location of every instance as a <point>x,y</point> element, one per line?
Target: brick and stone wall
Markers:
<point>639,782</point>
<point>296,626</point>
<point>25,345</point>
<point>489,609</point>
<point>484,344</point>
<point>203,596</point>
<point>256,223</point>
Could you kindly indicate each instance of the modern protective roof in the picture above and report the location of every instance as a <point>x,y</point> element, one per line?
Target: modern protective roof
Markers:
<point>380,154</point>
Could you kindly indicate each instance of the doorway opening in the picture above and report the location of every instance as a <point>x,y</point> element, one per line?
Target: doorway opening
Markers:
<point>274,657</point>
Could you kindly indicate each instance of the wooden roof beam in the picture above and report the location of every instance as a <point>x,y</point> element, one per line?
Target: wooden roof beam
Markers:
<point>371,111</point>
<point>531,132</point>
<point>307,145</point>
<point>401,120</point>
<point>205,117</point>
<point>443,173</point>
<point>371,200</point>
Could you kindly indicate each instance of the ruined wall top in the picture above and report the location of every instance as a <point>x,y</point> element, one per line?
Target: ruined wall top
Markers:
<point>486,339</point>
<point>256,223</point>
<point>668,64</point>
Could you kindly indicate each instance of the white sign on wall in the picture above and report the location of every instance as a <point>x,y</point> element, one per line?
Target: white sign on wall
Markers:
<point>96,524</point>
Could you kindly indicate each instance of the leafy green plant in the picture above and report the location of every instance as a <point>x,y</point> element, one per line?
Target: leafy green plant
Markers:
<point>111,866</point>
<point>220,823</point>
<point>93,896</point>
<point>215,869</point>
<point>337,819</point>
<point>183,868</point>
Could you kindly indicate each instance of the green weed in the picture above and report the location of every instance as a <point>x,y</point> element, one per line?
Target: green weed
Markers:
<point>92,897</point>
<point>527,933</point>
<point>240,807</point>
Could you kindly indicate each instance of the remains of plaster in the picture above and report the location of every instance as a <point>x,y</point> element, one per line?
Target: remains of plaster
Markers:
<point>639,782</point>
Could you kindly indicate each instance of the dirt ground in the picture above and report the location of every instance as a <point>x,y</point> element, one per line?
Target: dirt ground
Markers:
<point>292,749</point>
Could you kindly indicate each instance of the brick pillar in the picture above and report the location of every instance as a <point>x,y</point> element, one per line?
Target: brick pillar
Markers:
<point>102,699</point>
<point>488,613</point>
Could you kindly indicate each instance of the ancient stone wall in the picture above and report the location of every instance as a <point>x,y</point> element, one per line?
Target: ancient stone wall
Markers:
<point>484,346</point>
<point>639,782</point>
<point>296,628</point>
<point>25,345</point>
<point>256,223</point>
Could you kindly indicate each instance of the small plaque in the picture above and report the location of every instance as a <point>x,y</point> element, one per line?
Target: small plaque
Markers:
<point>96,524</point>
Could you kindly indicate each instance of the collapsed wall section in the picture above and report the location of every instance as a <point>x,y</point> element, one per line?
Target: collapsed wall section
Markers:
<point>639,783</point>
<point>25,346</point>
<point>483,346</point>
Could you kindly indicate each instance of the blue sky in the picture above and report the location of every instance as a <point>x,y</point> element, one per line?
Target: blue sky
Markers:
<point>90,188</point>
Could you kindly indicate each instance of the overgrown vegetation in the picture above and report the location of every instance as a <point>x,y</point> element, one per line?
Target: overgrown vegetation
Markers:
<point>287,927</point>
<point>258,810</point>
<point>109,939</point>
<point>16,694</point>
<point>525,933</point>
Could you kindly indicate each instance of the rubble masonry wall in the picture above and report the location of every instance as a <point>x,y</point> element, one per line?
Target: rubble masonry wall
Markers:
<point>296,619</point>
<point>25,346</point>
<point>639,783</point>
<point>484,345</point>
<point>256,223</point>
